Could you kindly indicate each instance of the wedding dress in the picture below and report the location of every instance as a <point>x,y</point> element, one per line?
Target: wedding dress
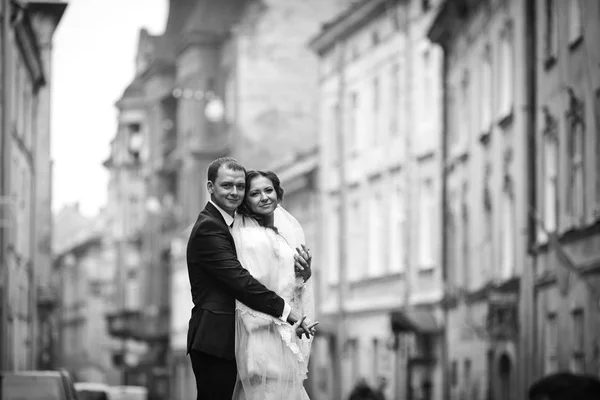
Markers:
<point>272,361</point>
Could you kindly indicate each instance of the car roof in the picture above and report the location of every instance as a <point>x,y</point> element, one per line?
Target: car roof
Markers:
<point>54,374</point>
<point>91,386</point>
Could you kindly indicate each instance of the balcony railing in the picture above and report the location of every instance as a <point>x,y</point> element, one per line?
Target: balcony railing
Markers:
<point>123,324</point>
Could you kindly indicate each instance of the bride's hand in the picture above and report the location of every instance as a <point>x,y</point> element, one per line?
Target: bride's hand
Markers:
<point>308,330</point>
<point>303,261</point>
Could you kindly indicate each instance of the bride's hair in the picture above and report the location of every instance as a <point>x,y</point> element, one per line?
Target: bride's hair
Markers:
<point>244,209</point>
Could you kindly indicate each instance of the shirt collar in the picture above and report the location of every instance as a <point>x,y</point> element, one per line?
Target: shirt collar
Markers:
<point>228,218</point>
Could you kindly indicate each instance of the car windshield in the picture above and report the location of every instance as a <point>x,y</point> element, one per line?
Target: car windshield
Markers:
<point>86,394</point>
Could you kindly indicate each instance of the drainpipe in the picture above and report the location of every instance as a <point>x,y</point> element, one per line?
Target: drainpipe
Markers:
<point>343,206</point>
<point>6,60</point>
<point>444,246</point>
<point>528,304</point>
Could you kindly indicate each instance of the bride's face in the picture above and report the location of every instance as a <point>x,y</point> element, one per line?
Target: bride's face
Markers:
<point>261,197</point>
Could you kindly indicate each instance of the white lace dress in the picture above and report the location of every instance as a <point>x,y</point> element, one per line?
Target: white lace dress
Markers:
<point>272,361</point>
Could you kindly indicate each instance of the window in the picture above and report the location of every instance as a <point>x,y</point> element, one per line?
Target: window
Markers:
<point>550,156</point>
<point>464,109</point>
<point>551,31</point>
<point>395,96</point>
<point>551,334</point>
<point>230,98</point>
<point>575,21</point>
<point>465,241</point>
<point>425,5</point>
<point>333,241</point>
<point>575,140</point>
<point>376,107</point>
<point>357,266</point>
<point>506,71</point>
<point>454,117</point>
<point>375,359</point>
<point>451,262</point>
<point>486,91</point>
<point>578,345</point>
<point>454,373</point>
<point>375,38</point>
<point>508,230</point>
<point>354,52</point>
<point>396,244</point>
<point>466,373</point>
<point>597,119</point>
<point>353,128</point>
<point>354,358</point>
<point>488,248</point>
<point>427,94</point>
<point>377,235</point>
<point>426,224</point>
<point>334,134</point>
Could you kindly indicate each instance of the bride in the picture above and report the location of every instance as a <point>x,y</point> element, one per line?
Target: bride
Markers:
<point>271,355</point>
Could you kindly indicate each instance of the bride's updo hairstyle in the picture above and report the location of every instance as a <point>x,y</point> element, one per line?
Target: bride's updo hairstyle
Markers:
<point>244,209</point>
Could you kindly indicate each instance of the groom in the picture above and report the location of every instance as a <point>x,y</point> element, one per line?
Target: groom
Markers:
<point>217,279</point>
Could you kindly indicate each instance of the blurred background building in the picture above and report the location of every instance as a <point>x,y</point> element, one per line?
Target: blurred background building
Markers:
<point>486,206</point>
<point>27,299</point>
<point>83,274</point>
<point>562,311</point>
<point>442,157</point>
<point>380,167</point>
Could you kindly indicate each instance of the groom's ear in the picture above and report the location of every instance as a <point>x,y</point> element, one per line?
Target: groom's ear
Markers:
<point>209,186</point>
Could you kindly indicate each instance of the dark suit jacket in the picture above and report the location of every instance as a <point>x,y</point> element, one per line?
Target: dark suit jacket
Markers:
<point>217,279</point>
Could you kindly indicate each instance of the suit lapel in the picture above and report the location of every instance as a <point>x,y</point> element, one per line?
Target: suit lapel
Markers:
<point>212,211</point>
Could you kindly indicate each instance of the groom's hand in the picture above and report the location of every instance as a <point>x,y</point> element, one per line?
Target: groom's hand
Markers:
<point>303,261</point>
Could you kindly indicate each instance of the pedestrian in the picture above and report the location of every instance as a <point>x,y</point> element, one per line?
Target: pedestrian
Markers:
<point>565,386</point>
<point>381,386</point>
<point>362,391</point>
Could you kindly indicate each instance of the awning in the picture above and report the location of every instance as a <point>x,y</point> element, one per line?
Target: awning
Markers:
<point>327,327</point>
<point>415,320</point>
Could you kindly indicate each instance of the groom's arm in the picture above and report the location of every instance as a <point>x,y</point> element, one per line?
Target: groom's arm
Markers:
<point>210,249</point>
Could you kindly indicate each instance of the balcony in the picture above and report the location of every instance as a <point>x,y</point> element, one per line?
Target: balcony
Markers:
<point>47,299</point>
<point>153,327</point>
<point>502,319</point>
<point>139,325</point>
<point>123,324</point>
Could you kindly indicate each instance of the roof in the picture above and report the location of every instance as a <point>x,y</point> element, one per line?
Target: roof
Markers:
<point>350,20</point>
<point>301,164</point>
<point>441,29</point>
<point>91,386</point>
<point>135,89</point>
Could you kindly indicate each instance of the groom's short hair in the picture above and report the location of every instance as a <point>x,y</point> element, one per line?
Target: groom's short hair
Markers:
<point>227,162</point>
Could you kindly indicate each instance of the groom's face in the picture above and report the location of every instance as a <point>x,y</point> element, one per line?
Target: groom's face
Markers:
<point>228,189</point>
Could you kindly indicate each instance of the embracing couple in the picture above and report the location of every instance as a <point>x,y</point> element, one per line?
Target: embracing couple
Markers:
<point>252,325</point>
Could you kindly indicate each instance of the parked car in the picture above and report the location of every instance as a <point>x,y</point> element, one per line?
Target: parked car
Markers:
<point>93,391</point>
<point>37,385</point>
<point>128,393</point>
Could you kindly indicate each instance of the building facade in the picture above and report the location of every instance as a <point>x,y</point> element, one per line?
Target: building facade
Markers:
<point>123,236</point>
<point>83,274</point>
<point>27,301</point>
<point>486,192</point>
<point>562,313</point>
<point>380,184</point>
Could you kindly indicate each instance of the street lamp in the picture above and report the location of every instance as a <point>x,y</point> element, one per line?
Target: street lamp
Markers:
<point>214,108</point>
<point>136,141</point>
